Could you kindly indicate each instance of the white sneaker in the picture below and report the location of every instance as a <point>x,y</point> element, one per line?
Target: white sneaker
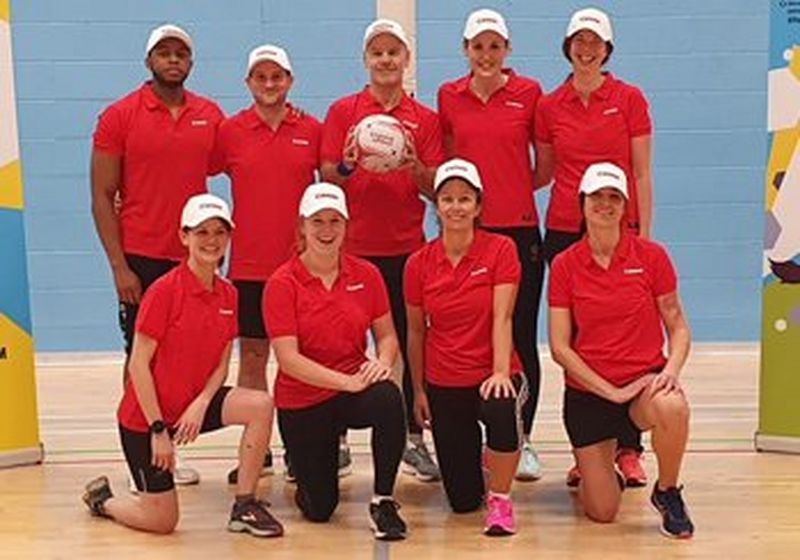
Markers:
<point>529,467</point>
<point>184,474</point>
<point>132,485</point>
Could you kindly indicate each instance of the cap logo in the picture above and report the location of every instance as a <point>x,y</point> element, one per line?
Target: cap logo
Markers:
<point>267,52</point>
<point>456,168</point>
<point>608,174</point>
<point>383,27</point>
<point>590,18</point>
<point>326,195</point>
<point>486,20</point>
<point>213,205</point>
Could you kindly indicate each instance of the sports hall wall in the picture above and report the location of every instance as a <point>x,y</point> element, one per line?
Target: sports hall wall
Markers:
<point>701,64</point>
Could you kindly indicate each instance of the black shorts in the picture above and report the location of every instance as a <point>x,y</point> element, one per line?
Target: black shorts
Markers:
<point>136,446</point>
<point>251,319</point>
<point>148,271</point>
<point>590,418</point>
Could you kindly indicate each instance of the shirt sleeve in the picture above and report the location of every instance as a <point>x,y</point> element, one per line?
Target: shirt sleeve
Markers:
<point>218,158</point>
<point>559,291</point>
<point>380,296</point>
<point>542,130</point>
<point>110,133</point>
<point>537,96</point>
<point>639,122</point>
<point>412,280</point>
<point>429,140</point>
<point>334,131</point>
<point>444,115</point>
<point>279,307</point>
<point>507,268</point>
<point>154,310</point>
<point>665,280</point>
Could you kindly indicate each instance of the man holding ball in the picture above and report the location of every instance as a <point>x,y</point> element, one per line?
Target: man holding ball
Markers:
<point>386,209</point>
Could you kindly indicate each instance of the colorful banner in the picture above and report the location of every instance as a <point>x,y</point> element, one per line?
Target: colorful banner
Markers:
<point>779,396</point>
<point>19,427</point>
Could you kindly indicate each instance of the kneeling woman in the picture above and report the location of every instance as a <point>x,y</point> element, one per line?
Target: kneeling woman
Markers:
<point>610,295</point>
<point>318,308</point>
<point>181,352</point>
<point>460,291</point>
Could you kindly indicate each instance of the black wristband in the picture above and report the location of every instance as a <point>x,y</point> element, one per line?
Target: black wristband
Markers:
<point>157,427</point>
<point>343,170</point>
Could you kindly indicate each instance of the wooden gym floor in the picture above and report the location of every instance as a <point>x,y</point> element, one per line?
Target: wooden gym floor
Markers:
<point>744,504</point>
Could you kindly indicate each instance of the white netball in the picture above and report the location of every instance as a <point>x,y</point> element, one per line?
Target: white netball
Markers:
<point>381,143</point>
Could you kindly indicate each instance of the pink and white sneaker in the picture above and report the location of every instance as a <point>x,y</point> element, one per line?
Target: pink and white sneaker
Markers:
<point>499,517</point>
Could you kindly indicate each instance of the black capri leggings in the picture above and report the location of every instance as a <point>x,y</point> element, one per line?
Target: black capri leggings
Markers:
<point>311,437</point>
<point>456,413</point>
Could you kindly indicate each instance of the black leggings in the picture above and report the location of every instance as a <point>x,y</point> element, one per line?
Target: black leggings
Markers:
<point>555,242</point>
<point>391,269</point>
<point>528,241</point>
<point>456,413</point>
<point>311,437</point>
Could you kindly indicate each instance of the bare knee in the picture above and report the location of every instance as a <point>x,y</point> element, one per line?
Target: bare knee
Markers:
<point>671,409</point>
<point>601,513</point>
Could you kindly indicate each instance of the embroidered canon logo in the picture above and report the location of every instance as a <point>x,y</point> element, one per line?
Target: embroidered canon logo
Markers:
<point>479,271</point>
<point>326,195</point>
<point>611,111</point>
<point>354,287</point>
<point>300,142</point>
<point>226,311</point>
<point>608,174</point>
<point>199,122</point>
<point>633,271</point>
<point>213,205</point>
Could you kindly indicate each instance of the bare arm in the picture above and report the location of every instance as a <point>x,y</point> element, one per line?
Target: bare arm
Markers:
<point>415,321</point>
<point>641,156</point>
<point>678,334</point>
<point>144,348</point>
<point>502,341</point>
<point>106,176</point>
<point>545,164</point>
<point>293,363</point>
<point>386,345</point>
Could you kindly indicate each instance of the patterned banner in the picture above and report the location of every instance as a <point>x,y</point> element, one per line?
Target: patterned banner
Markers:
<point>19,428</point>
<point>779,407</point>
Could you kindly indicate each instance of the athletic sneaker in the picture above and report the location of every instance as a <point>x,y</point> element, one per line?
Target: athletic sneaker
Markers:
<point>184,475</point>
<point>499,517</point>
<point>418,461</point>
<point>266,468</point>
<point>386,522</point>
<point>629,462</point>
<point>96,494</point>
<point>529,467</point>
<point>675,521</point>
<point>345,460</point>
<point>288,474</point>
<point>253,517</point>
<point>573,477</point>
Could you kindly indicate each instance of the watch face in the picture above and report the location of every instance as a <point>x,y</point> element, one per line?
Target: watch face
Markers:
<point>157,427</point>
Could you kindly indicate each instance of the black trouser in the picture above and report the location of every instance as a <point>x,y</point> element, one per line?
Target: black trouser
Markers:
<point>528,241</point>
<point>555,242</point>
<point>456,413</point>
<point>311,437</point>
<point>148,270</point>
<point>391,269</point>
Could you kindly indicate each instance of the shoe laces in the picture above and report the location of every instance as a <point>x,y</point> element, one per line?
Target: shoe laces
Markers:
<point>387,509</point>
<point>422,449</point>
<point>498,506</point>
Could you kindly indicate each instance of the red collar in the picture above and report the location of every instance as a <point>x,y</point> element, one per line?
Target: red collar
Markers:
<point>621,252</point>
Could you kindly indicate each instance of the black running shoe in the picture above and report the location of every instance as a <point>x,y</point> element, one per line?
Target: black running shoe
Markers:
<point>233,476</point>
<point>253,517</point>
<point>675,521</point>
<point>96,494</point>
<point>385,521</point>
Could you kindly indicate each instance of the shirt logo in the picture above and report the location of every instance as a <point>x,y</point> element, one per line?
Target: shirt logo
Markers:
<point>633,271</point>
<point>199,122</point>
<point>515,104</point>
<point>300,142</point>
<point>411,125</point>
<point>354,287</point>
<point>226,311</point>
<point>479,271</point>
<point>611,111</point>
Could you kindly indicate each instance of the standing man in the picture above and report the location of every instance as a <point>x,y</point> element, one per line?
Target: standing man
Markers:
<point>386,209</point>
<point>151,152</point>
<point>270,152</point>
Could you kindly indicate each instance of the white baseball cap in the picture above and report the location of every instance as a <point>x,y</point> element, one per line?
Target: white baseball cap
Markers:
<point>384,25</point>
<point>593,20</point>
<point>457,168</point>
<point>602,175</point>
<point>167,31</point>
<point>272,53</point>
<point>202,207</point>
<point>323,196</point>
<point>485,20</point>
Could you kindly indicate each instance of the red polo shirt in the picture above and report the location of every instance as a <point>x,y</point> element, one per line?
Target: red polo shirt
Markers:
<point>385,209</point>
<point>269,171</point>
<point>582,135</point>
<point>496,136</point>
<point>457,303</point>
<point>617,328</point>
<point>192,326</point>
<point>330,326</point>
<point>164,162</point>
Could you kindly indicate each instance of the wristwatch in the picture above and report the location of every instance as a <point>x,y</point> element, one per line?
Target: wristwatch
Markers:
<point>157,427</point>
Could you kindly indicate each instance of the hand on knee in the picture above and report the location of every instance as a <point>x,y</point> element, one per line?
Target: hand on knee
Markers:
<point>671,409</point>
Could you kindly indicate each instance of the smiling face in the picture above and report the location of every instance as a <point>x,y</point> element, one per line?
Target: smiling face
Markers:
<point>587,52</point>
<point>170,62</point>
<point>604,208</point>
<point>207,242</point>
<point>458,205</point>
<point>323,232</point>
<point>386,58</point>
<point>486,53</point>
<point>269,84</point>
